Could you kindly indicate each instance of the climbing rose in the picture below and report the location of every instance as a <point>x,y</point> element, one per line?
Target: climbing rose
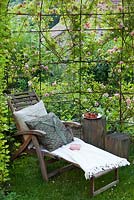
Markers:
<point>116,94</point>
<point>128,101</point>
<point>46,94</point>
<point>121,62</point>
<point>46,68</point>
<point>96,104</point>
<point>121,25</point>
<point>132,33</point>
<point>120,8</point>
<point>87,25</point>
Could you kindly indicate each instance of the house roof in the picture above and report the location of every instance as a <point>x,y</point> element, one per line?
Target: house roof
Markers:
<point>57,30</point>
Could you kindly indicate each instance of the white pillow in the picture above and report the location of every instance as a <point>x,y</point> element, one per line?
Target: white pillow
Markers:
<point>29,113</point>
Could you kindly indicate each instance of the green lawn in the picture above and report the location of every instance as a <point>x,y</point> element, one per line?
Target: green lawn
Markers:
<point>27,183</point>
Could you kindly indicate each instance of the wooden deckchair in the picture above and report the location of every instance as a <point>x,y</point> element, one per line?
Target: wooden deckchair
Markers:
<point>21,100</point>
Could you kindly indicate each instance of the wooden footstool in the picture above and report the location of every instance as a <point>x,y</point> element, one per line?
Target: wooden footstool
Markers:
<point>118,144</point>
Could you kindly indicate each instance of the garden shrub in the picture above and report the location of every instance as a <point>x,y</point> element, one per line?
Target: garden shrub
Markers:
<point>4,152</point>
<point>4,159</point>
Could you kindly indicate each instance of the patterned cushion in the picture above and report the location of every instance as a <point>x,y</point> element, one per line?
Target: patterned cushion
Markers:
<point>56,134</point>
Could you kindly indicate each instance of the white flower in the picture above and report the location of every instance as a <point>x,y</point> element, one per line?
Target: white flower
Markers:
<point>105,95</point>
<point>26,66</point>
<point>54,83</point>
<point>30,83</point>
<point>89,90</point>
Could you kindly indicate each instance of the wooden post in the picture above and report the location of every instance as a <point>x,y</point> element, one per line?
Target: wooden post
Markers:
<point>118,144</point>
<point>94,131</point>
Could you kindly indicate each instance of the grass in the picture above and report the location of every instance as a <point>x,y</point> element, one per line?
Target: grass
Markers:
<point>27,183</point>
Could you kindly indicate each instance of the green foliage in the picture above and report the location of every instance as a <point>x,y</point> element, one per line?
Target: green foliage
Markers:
<point>4,159</point>
<point>74,70</point>
<point>4,152</point>
<point>9,196</point>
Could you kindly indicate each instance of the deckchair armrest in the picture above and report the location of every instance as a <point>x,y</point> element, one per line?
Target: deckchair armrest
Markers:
<point>72,124</point>
<point>30,132</point>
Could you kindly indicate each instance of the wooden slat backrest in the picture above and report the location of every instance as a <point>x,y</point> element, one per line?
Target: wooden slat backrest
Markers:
<point>19,101</point>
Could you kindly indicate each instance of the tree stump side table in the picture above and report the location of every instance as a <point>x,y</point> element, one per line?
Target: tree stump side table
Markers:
<point>94,131</point>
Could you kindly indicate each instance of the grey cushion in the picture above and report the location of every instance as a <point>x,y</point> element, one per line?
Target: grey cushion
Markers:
<point>56,134</point>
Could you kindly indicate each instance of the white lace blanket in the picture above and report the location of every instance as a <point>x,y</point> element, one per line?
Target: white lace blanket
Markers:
<point>90,158</point>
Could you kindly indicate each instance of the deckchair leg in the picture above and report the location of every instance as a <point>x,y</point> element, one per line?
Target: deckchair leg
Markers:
<point>116,174</point>
<point>92,186</point>
<point>41,158</point>
<point>102,189</point>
